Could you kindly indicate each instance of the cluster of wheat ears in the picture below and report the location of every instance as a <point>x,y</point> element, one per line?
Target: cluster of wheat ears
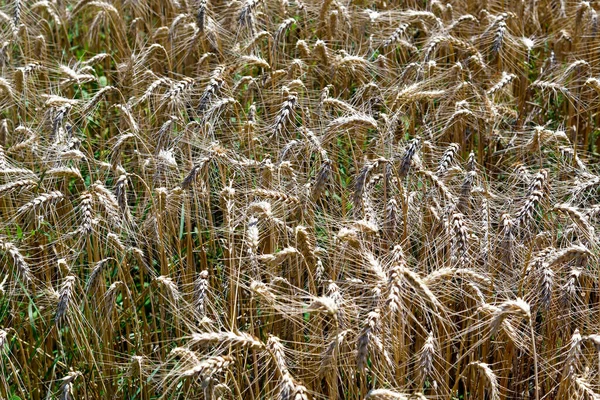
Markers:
<point>303,199</point>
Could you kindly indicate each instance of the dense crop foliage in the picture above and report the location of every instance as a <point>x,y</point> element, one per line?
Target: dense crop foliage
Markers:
<point>320,199</point>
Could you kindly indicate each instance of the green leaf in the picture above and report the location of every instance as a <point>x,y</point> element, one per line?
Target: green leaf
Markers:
<point>182,222</point>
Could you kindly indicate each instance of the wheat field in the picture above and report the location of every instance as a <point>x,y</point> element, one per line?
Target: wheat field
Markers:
<point>299,199</point>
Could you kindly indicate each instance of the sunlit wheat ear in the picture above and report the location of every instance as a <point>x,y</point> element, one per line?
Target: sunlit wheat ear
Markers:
<point>448,158</point>
<point>185,355</point>
<point>585,387</point>
<point>302,49</point>
<point>121,192</point>
<point>18,260</point>
<point>535,194</point>
<point>570,366</point>
<point>439,184</point>
<point>542,135</point>
<point>59,117</point>
<point>306,242</point>
<point>463,19</point>
<point>41,201</point>
<point>426,358</point>
<point>108,202</point>
<point>321,52</point>
<point>506,79</point>
<point>212,90</point>
<point>201,14</point>
<point>203,370</point>
<point>459,243</point>
<point>455,42</point>
<point>111,294</point>
<point>276,349</point>
<point>149,92</point>
<point>570,291</point>
<point>66,388</point>
<point>567,254</point>
<point>17,186</point>
<point>174,96</point>
<point>96,273</point>
<point>240,339</point>
<point>578,217</point>
<point>262,291</point>
<point>546,278</point>
<point>6,88</point>
<point>22,75</point>
<point>516,307</point>
<point>292,390</point>
<point>200,292</point>
<point>252,240</point>
<point>385,394</point>
<point>3,340</point>
<point>128,117</point>
<point>85,208</point>
<point>246,17</point>
<point>279,257</point>
<point>369,343</point>
<point>396,35</point>
<point>285,115</point>
<point>64,300</point>
<point>64,172</point>
<point>327,306</point>
<point>3,286</point>
<point>335,103</point>
<point>169,290</point>
<point>407,158</point>
<point>280,34</point>
<point>552,87</point>
<point>361,181</point>
<point>74,77</point>
<point>490,377</point>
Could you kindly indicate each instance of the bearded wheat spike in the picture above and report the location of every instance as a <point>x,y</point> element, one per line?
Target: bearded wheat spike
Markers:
<point>385,394</point>
<point>40,201</point>
<point>291,389</point>
<point>205,369</point>
<point>18,260</point>
<point>426,356</point>
<point>578,217</point>
<point>395,36</point>
<point>535,195</point>
<point>447,158</point>
<point>506,79</point>
<point>365,339</point>
<point>240,339</point>
<point>16,185</point>
<point>65,295</point>
<point>96,272</point>
<point>570,365</point>
<point>437,182</point>
<point>491,378</point>
<point>567,254</point>
<point>516,307</point>
<point>278,353</point>
<point>200,292</point>
<point>85,208</point>
<point>407,159</point>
